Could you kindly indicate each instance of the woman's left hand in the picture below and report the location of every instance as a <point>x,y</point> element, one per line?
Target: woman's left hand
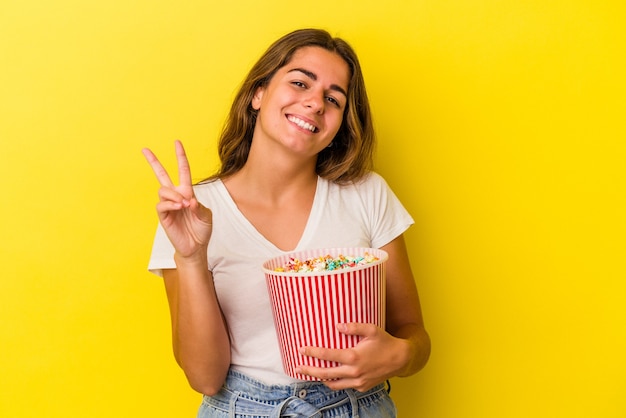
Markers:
<point>376,358</point>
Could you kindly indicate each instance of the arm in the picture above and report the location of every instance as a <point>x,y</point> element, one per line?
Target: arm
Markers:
<point>404,313</point>
<point>199,333</point>
<point>400,350</point>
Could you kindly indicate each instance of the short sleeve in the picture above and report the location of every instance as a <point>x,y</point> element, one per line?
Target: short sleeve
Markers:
<point>388,217</point>
<point>162,256</point>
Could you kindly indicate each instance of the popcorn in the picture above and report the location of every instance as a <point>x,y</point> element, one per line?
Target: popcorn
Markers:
<point>325,263</point>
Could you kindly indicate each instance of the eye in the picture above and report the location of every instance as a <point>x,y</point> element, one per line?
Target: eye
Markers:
<point>298,84</point>
<point>333,101</point>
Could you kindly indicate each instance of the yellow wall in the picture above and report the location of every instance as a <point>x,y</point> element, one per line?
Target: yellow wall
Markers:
<point>500,129</point>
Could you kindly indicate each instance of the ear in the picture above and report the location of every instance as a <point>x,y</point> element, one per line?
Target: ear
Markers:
<point>256,99</point>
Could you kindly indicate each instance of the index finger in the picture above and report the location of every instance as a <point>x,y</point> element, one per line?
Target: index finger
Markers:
<point>157,167</point>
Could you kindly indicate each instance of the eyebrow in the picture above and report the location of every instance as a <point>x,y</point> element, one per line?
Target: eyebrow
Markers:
<point>313,76</point>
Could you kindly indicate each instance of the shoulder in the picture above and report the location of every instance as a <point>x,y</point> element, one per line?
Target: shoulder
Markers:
<point>371,181</point>
<point>209,191</point>
<point>207,186</point>
<point>212,182</point>
<point>372,186</point>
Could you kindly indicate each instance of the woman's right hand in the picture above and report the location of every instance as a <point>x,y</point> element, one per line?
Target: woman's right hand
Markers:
<point>187,223</point>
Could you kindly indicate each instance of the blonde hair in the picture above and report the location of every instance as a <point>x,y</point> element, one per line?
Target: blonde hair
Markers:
<point>349,157</point>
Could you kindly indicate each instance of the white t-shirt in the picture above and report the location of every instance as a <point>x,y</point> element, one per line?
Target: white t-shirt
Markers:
<point>362,214</point>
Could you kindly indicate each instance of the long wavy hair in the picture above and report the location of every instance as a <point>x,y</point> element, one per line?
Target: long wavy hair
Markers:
<point>351,155</point>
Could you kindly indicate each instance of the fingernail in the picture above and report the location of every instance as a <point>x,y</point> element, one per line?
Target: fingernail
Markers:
<point>342,327</point>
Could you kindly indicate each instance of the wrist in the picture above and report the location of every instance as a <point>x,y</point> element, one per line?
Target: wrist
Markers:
<point>197,259</point>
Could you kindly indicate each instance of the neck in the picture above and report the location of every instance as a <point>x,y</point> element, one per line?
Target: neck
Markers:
<point>275,181</point>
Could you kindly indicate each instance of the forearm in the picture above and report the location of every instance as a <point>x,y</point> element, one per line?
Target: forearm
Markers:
<point>199,334</point>
<point>416,349</point>
<point>404,314</point>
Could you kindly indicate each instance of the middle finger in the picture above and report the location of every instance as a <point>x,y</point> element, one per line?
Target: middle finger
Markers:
<point>184,172</point>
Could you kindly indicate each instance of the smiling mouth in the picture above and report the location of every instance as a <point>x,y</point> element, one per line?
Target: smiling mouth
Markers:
<point>302,124</point>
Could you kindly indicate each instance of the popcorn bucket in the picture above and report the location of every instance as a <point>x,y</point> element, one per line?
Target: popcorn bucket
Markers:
<point>307,306</point>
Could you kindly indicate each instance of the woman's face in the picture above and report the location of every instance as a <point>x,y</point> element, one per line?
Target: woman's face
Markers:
<point>303,105</point>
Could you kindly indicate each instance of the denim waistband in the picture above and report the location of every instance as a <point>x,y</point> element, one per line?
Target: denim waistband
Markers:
<point>244,395</point>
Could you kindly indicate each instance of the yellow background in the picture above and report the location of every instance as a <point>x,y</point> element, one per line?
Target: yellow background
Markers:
<point>501,127</point>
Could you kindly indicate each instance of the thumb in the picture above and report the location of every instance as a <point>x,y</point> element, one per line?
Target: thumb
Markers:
<point>203,213</point>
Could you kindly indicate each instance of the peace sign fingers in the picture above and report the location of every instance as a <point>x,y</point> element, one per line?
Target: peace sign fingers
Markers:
<point>184,172</point>
<point>187,223</point>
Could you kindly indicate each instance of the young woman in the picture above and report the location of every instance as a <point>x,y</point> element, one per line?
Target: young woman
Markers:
<point>296,155</point>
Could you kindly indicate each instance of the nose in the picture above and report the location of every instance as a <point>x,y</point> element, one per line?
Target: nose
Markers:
<point>315,102</point>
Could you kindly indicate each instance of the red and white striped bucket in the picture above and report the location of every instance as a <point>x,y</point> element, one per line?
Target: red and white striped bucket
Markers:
<point>308,306</point>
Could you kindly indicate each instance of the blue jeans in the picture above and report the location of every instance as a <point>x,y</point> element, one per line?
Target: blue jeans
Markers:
<point>244,397</point>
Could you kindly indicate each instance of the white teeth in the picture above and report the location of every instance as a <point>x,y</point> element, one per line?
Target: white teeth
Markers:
<point>301,123</point>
